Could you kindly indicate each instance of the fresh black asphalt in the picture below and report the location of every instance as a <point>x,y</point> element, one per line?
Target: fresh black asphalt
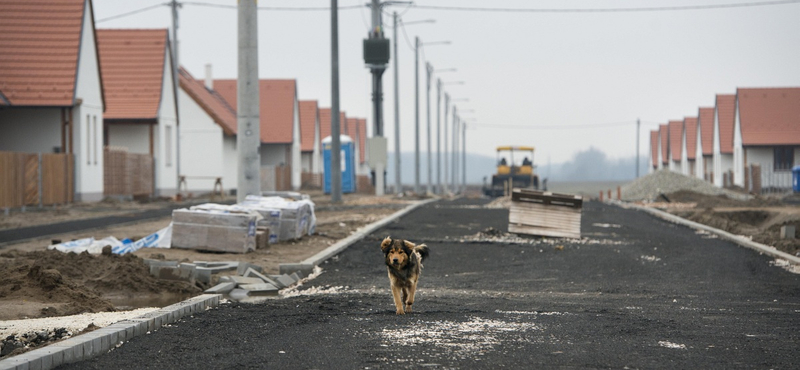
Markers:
<point>637,292</point>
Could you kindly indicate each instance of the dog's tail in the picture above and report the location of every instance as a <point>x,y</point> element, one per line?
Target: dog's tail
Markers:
<point>423,251</point>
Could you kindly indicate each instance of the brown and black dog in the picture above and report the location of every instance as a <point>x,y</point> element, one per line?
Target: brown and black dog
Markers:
<point>404,263</point>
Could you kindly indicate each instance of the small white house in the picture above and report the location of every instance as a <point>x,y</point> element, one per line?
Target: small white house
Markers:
<point>723,137</point>
<point>141,102</point>
<point>310,138</point>
<point>688,146</point>
<point>675,131</point>
<point>51,88</point>
<point>705,144</point>
<point>767,132</point>
<point>207,136</point>
<point>663,146</point>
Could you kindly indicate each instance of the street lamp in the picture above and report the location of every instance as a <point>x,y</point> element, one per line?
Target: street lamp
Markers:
<point>454,153</point>
<point>446,110</point>
<point>464,151</point>
<point>417,44</point>
<point>397,180</point>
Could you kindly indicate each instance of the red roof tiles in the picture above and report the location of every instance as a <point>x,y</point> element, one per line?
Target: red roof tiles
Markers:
<point>210,101</point>
<point>352,127</point>
<point>705,120</point>
<point>726,106</point>
<point>362,129</point>
<point>132,63</point>
<point>769,116</point>
<point>40,45</point>
<point>309,117</point>
<point>654,147</point>
<point>276,107</point>
<point>663,132</point>
<point>690,125</point>
<point>324,123</point>
<point>675,132</point>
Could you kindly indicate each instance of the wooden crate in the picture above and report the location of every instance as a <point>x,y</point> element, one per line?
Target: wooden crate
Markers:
<point>545,214</point>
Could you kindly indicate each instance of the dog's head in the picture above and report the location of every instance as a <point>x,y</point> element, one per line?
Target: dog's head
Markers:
<point>397,251</point>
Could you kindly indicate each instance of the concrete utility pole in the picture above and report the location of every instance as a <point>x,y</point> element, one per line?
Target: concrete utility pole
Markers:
<point>454,153</point>
<point>377,66</point>
<point>438,138</point>
<point>175,68</point>
<point>248,122</point>
<point>429,69</point>
<point>637,147</point>
<point>336,144</point>
<point>463,157</point>
<point>446,109</point>
<point>416,115</point>
<point>398,185</point>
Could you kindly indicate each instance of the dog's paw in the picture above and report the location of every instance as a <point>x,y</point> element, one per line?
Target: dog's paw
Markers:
<point>408,308</point>
<point>401,312</point>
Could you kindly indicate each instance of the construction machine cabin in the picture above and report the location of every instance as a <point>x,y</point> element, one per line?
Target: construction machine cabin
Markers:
<point>515,169</point>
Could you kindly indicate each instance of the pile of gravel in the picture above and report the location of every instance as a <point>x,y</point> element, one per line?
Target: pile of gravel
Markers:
<point>648,188</point>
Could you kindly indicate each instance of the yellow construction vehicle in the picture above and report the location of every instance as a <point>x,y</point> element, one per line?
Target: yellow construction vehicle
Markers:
<point>514,170</point>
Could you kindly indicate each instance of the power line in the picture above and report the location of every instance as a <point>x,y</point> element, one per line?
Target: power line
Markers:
<point>552,127</point>
<point>281,8</point>
<point>608,10</point>
<point>130,13</point>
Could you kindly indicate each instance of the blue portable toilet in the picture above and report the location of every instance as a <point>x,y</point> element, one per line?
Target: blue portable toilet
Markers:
<point>796,179</point>
<point>348,163</point>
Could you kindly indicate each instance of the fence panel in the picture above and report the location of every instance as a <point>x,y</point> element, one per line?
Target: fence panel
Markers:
<point>127,174</point>
<point>57,178</point>
<point>31,179</point>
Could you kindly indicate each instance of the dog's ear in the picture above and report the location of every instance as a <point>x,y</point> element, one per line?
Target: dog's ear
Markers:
<point>386,244</point>
<point>408,247</point>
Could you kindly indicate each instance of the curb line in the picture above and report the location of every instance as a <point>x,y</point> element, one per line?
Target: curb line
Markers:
<point>308,264</point>
<point>738,239</point>
<point>85,346</point>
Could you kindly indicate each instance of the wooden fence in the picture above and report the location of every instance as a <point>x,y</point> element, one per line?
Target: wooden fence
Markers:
<point>36,179</point>
<point>127,174</point>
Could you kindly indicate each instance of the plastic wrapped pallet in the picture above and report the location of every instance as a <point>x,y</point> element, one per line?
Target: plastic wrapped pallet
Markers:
<point>271,216</point>
<point>230,231</point>
<point>297,216</point>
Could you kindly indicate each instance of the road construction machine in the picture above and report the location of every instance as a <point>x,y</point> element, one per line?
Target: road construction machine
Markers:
<point>515,169</point>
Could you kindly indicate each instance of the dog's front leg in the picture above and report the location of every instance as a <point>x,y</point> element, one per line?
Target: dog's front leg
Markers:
<point>410,300</point>
<point>398,302</point>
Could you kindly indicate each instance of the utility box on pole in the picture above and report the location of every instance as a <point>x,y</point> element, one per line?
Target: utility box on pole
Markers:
<point>376,51</point>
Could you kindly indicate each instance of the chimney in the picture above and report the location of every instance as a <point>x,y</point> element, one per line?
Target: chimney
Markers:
<point>209,80</point>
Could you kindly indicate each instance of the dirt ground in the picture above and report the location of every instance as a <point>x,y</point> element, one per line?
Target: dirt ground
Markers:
<point>760,218</point>
<point>35,282</point>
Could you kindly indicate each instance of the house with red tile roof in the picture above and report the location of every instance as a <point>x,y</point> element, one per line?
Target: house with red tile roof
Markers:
<point>280,128</point>
<point>766,131</point>
<point>705,144</point>
<point>51,88</point>
<point>208,135</point>
<point>653,151</point>
<point>724,112</point>
<point>362,145</point>
<point>674,152</point>
<point>663,146</point>
<point>310,147</point>
<point>688,145</point>
<point>141,102</point>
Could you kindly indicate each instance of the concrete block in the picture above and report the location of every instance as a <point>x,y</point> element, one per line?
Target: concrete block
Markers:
<point>788,232</point>
<point>241,279</point>
<point>222,266</point>
<point>222,288</point>
<point>253,273</point>
<point>297,276</point>
<point>88,348</point>
<point>171,273</point>
<point>264,289</point>
<point>17,362</point>
<point>238,294</point>
<point>152,262</point>
<point>244,266</point>
<point>284,280</point>
<point>289,268</point>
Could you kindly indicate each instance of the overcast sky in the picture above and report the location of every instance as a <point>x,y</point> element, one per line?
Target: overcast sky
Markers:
<point>580,72</point>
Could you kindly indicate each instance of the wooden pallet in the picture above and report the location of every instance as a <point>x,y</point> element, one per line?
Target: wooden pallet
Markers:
<point>544,213</point>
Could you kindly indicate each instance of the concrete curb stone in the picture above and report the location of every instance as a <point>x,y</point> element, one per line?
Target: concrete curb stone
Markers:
<point>92,344</point>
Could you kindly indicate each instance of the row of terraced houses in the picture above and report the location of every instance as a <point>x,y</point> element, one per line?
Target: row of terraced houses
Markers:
<point>87,113</point>
<point>750,140</point>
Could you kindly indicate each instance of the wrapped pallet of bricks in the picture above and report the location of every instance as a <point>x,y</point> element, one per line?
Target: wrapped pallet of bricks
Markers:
<point>270,216</point>
<point>296,219</point>
<point>229,231</point>
<point>543,213</point>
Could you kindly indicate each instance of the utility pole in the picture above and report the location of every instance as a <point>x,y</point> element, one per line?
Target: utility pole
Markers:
<point>175,68</point>
<point>376,56</point>
<point>637,147</point>
<point>438,138</point>
<point>464,157</point>
<point>397,183</point>
<point>416,115</point>
<point>446,109</point>
<point>336,144</point>
<point>454,153</point>
<point>429,69</point>
<point>248,120</point>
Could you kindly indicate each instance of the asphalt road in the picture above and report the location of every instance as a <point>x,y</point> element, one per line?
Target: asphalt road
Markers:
<point>637,292</point>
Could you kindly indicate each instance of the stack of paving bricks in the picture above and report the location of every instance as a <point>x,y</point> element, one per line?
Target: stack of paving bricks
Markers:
<point>95,343</point>
<point>251,282</point>
<point>545,214</point>
<point>229,231</point>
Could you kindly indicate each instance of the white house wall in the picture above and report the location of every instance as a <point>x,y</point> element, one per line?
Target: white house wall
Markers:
<point>230,163</point>
<point>684,154</point>
<point>201,146</point>
<point>765,156</point>
<point>738,151</point>
<point>717,158</point>
<point>166,136</point>
<point>296,167</point>
<point>135,137</point>
<point>699,167</point>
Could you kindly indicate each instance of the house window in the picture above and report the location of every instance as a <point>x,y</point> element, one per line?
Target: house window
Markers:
<point>168,145</point>
<point>784,158</point>
<point>88,140</point>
